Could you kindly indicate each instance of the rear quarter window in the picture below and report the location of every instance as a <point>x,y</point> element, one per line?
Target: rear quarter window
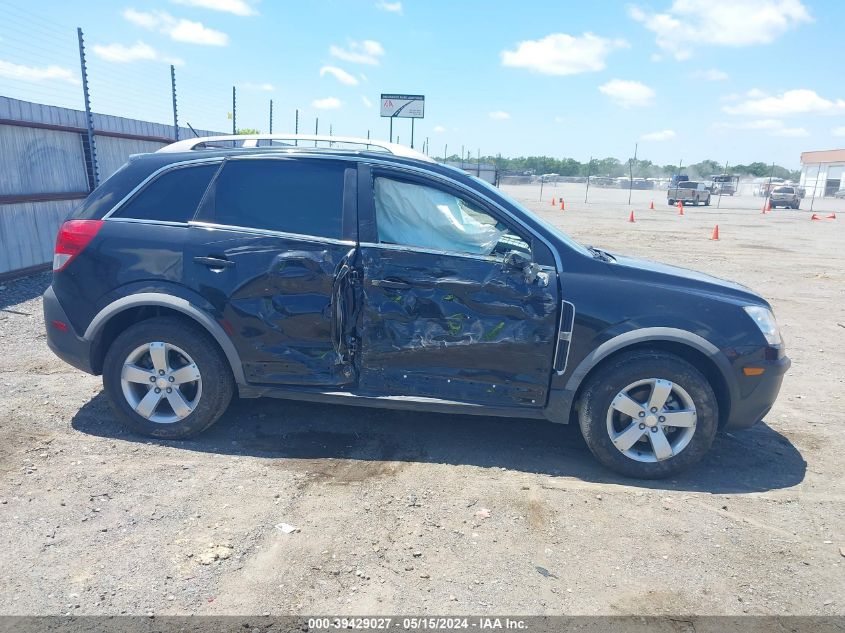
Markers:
<point>171,197</point>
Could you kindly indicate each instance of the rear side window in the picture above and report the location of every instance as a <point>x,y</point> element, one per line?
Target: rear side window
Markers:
<point>172,197</point>
<point>302,197</point>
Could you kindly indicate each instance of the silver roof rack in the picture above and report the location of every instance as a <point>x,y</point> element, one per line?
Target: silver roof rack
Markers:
<point>290,141</point>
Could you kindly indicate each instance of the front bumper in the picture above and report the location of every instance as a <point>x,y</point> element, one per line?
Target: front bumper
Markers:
<point>757,394</point>
<point>63,341</point>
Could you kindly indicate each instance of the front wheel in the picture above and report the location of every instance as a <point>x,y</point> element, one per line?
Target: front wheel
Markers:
<point>167,378</point>
<point>648,415</point>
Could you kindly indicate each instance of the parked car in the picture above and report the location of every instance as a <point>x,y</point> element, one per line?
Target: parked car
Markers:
<point>689,192</point>
<point>785,197</point>
<point>376,277</point>
<point>839,193</point>
<point>723,184</point>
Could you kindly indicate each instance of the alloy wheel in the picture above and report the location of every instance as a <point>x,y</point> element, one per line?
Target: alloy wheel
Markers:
<point>651,420</point>
<point>161,382</point>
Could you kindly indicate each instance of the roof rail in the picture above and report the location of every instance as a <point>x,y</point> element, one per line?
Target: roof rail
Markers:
<point>288,140</point>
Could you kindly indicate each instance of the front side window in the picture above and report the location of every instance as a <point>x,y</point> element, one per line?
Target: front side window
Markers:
<point>172,197</point>
<point>410,214</point>
<point>290,196</point>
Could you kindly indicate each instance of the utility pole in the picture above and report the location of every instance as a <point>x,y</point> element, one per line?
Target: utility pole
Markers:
<point>412,133</point>
<point>296,127</point>
<point>589,173</point>
<point>271,116</point>
<point>173,96</point>
<point>316,129</point>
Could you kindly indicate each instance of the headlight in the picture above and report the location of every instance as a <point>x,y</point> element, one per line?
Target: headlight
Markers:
<point>765,320</point>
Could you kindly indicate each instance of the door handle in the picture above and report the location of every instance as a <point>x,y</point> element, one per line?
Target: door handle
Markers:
<point>215,262</point>
<point>390,284</point>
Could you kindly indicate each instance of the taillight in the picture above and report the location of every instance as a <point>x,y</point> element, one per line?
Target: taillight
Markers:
<point>73,237</point>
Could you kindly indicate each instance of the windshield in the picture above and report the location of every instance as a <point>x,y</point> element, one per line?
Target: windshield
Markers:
<point>550,228</point>
<point>784,190</point>
<point>687,185</point>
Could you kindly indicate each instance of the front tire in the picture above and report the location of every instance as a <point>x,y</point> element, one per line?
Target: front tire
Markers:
<point>648,415</point>
<point>167,378</point>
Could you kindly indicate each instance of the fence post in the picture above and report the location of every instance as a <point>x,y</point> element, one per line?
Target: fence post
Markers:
<point>91,149</point>
<point>234,112</point>
<point>173,94</point>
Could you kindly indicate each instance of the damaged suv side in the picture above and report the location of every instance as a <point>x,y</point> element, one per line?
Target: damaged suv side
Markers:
<point>374,276</point>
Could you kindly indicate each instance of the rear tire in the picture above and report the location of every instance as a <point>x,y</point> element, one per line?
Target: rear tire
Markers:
<point>646,435</point>
<point>671,202</point>
<point>167,378</point>
<point>707,202</point>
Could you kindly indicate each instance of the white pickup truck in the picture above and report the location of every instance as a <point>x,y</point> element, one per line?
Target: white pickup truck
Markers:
<point>689,192</point>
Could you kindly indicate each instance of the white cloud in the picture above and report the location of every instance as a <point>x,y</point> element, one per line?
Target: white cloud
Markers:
<point>263,87</point>
<point>733,23</point>
<point>237,7</point>
<point>329,103</point>
<point>713,74</point>
<point>139,51</point>
<point>663,135</point>
<point>367,103</point>
<point>341,75</point>
<point>791,102</point>
<point>365,52</point>
<point>559,119</point>
<point>177,29</point>
<point>391,7</point>
<point>628,94</point>
<point>499,115</point>
<point>838,131</point>
<point>562,54</point>
<point>439,129</point>
<point>772,127</point>
<point>36,74</point>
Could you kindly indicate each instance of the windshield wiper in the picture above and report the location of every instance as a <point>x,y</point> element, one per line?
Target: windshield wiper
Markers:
<point>600,254</point>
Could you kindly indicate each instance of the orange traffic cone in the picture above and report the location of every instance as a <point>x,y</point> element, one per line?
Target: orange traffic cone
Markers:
<point>767,205</point>
<point>562,205</point>
<point>680,207</point>
<point>715,235</point>
<point>651,206</point>
<point>631,217</point>
<point>553,201</point>
<point>815,217</point>
<point>832,216</point>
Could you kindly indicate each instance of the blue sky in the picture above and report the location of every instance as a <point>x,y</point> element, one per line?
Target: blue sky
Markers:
<point>737,80</point>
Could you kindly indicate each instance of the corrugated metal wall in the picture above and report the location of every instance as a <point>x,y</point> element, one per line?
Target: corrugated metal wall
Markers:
<point>38,161</point>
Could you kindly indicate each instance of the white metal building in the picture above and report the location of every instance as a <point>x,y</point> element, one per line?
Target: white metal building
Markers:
<point>823,172</point>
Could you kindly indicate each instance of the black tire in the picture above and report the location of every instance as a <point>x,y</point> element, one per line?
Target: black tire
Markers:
<point>626,369</point>
<point>217,383</point>
<point>697,201</point>
<point>671,202</point>
<point>707,202</point>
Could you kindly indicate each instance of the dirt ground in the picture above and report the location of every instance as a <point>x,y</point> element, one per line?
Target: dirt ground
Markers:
<point>94,520</point>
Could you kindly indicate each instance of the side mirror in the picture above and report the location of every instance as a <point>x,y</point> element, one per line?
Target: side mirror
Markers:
<point>516,260</point>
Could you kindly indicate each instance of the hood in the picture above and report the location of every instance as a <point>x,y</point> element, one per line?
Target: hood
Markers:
<point>647,271</point>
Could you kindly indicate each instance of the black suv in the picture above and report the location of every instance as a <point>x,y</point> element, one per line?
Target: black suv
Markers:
<point>374,276</point>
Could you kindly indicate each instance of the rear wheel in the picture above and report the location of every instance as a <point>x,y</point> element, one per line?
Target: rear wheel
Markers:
<point>648,415</point>
<point>707,202</point>
<point>697,201</point>
<point>671,202</point>
<point>167,378</point>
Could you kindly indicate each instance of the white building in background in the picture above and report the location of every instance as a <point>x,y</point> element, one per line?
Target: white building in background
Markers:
<point>822,172</point>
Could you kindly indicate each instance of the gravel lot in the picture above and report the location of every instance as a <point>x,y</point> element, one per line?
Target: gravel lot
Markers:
<point>391,507</point>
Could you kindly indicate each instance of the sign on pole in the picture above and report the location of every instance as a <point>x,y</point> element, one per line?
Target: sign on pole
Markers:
<point>403,106</point>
